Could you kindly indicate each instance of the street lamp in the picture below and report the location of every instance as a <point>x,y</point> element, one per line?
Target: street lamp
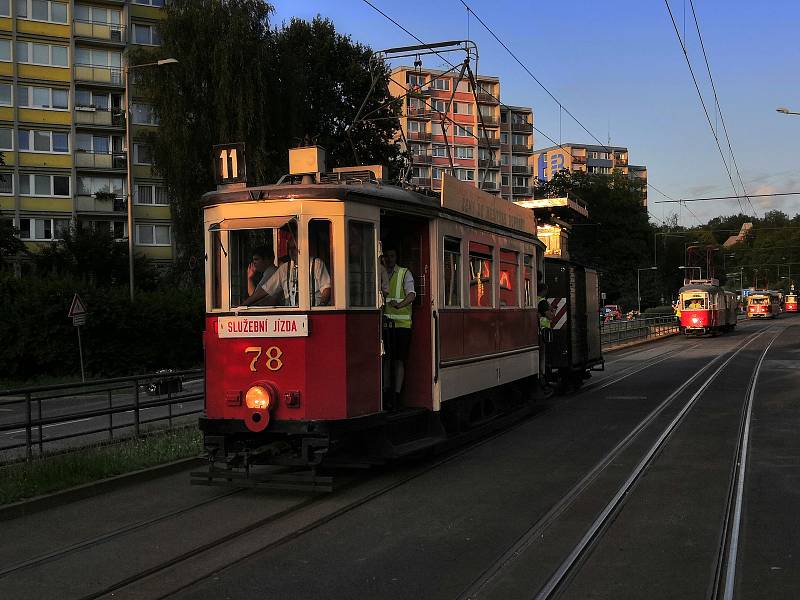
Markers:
<point>638,290</point>
<point>128,159</point>
<point>786,111</point>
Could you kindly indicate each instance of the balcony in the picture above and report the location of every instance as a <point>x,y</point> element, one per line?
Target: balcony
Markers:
<point>578,159</point>
<point>417,91</point>
<point>488,163</point>
<point>521,190</point>
<point>521,170</point>
<point>421,159</point>
<point>522,126</point>
<point>419,135</point>
<point>419,113</point>
<point>489,186</point>
<point>421,181</point>
<point>488,121</point>
<point>521,149</point>
<point>96,74</point>
<point>89,115</point>
<point>490,143</point>
<point>99,160</point>
<point>105,205</point>
<point>621,162</point>
<point>487,98</point>
<point>99,31</point>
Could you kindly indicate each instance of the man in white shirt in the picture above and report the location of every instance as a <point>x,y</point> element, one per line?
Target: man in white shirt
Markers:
<point>285,280</point>
<point>260,269</point>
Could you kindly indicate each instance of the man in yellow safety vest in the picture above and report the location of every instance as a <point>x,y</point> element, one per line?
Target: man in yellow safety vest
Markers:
<point>545,332</point>
<point>397,285</point>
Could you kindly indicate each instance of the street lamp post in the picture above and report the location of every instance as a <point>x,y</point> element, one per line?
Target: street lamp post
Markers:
<point>131,232</point>
<point>638,289</point>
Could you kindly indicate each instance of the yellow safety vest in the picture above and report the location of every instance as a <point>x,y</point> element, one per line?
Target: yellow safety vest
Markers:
<point>544,322</point>
<point>400,316</point>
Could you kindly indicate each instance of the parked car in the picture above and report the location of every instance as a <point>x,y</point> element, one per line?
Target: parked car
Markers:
<point>612,312</point>
<point>168,384</point>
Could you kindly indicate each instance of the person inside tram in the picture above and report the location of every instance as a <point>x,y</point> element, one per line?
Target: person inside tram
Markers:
<point>695,304</point>
<point>260,269</point>
<point>397,287</point>
<point>285,279</point>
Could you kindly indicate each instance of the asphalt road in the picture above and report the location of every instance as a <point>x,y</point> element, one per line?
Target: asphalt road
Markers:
<point>630,489</point>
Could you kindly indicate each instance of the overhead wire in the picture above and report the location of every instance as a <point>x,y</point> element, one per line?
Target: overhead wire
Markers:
<point>770,195</point>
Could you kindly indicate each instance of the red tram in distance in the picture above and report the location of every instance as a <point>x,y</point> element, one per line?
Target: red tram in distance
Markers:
<point>763,305</point>
<point>791,301</point>
<point>291,382</point>
<point>706,308</point>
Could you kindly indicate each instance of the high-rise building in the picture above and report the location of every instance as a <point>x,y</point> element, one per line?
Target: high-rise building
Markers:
<point>488,141</point>
<point>62,122</point>
<point>587,159</point>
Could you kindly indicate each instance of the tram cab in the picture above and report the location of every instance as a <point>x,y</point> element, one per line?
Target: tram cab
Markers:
<point>762,305</point>
<point>791,300</point>
<point>300,370</point>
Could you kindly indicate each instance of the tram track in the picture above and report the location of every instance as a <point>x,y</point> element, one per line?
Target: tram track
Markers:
<point>536,531</point>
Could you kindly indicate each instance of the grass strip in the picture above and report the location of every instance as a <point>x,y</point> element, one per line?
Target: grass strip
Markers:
<point>52,473</point>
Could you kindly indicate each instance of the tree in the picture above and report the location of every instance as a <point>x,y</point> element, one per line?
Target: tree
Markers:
<point>10,244</point>
<point>237,80</point>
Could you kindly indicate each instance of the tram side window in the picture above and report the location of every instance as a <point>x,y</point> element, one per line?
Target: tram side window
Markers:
<point>527,279</point>
<point>361,264</point>
<point>252,263</point>
<point>508,278</point>
<point>480,275</point>
<point>320,234</point>
<point>452,272</point>
<point>216,270</point>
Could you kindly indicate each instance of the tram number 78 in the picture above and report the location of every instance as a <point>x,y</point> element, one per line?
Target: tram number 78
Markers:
<point>272,357</point>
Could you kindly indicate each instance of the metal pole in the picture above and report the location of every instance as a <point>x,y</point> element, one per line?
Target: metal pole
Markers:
<point>28,450</point>
<point>131,231</point>
<point>110,417</point>
<point>136,407</point>
<point>638,292</point>
<point>80,353</point>
<point>39,418</point>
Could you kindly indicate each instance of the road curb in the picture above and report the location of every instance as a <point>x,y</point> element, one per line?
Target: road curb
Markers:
<point>87,490</point>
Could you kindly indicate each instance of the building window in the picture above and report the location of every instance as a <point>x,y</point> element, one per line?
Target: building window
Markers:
<point>416,126</point>
<point>142,154</point>
<point>415,80</point>
<point>143,114</point>
<point>463,131</point>
<point>151,194</point>
<point>98,144</point>
<point>440,84</point>
<point>5,8</point>
<point>480,275</point>
<point>504,159</point>
<point>43,229</point>
<point>452,272</point>
<point>89,186</point>
<point>439,106</point>
<point>520,161</point>
<point>34,140</point>
<point>505,180</point>
<point>96,57</point>
<point>47,55</point>
<point>44,185</point>
<point>6,138</point>
<point>361,264</point>
<point>96,100</point>
<point>464,152</point>
<point>503,138</point>
<point>519,140</point>
<point>504,117</point>
<point>488,176</point>
<point>462,108</point>
<point>436,172</point>
<point>43,97</point>
<point>158,3</point>
<point>146,34</point>
<point>5,50</point>
<point>42,10</point>
<point>508,278</point>
<point>465,174</point>
<point>97,14</point>
<point>6,184</point>
<point>520,181</point>
<point>153,235</point>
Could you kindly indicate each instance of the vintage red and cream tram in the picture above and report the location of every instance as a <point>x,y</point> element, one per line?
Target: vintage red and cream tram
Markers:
<point>291,380</point>
<point>791,301</point>
<point>763,305</point>
<point>706,308</point>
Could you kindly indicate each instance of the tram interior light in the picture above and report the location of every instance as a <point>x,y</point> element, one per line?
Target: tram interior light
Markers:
<point>257,397</point>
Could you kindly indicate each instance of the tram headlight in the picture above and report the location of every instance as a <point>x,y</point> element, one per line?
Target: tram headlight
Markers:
<point>695,320</point>
<point>258,397</point>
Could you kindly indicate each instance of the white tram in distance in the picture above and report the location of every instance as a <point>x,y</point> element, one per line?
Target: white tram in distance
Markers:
<point>290,380</point>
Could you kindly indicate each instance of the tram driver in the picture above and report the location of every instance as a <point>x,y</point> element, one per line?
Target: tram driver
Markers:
<point>285,278</point>
<point>397,287</point>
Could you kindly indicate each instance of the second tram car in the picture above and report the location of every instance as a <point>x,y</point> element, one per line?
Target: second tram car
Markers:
<point>791,301</point>
<point>763,305</point>
<point>706,308</point>
<point>291,379</point>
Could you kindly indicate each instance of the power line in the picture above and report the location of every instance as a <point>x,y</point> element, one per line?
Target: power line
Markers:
<point>702,102</point>
<point>682,200</point>
<point>719,108</point>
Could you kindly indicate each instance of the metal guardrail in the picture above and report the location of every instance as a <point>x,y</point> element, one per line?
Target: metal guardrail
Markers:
<point>613,332</point>
<point>38,406</point>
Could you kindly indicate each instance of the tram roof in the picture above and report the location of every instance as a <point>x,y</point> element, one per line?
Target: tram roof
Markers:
<point>387,196</point>
<point>700,287</point>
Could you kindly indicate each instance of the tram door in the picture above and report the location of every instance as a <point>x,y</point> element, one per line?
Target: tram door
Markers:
<point>410,236</point>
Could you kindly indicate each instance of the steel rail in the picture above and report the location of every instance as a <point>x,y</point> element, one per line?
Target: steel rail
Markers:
<point>553,584</point>
<point>534,533</point>
<point>725,572</point>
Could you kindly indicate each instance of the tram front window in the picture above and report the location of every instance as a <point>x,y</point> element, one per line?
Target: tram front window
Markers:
<point>263,259</point>
<point>694,303</point>
<point>759,301</point>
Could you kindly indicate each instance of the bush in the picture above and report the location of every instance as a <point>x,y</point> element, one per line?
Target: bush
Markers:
<point>162,329</point>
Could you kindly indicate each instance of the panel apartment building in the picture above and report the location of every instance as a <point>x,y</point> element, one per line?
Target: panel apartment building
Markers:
<point>587,159</point>
<point>62,122</point>
<point>500,156</point>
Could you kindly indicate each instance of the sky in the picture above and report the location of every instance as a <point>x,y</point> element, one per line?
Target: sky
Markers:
<point>619,68</point>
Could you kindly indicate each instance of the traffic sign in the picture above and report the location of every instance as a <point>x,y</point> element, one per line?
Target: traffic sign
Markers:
<point>77,307</point>
<point>79,320</point>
